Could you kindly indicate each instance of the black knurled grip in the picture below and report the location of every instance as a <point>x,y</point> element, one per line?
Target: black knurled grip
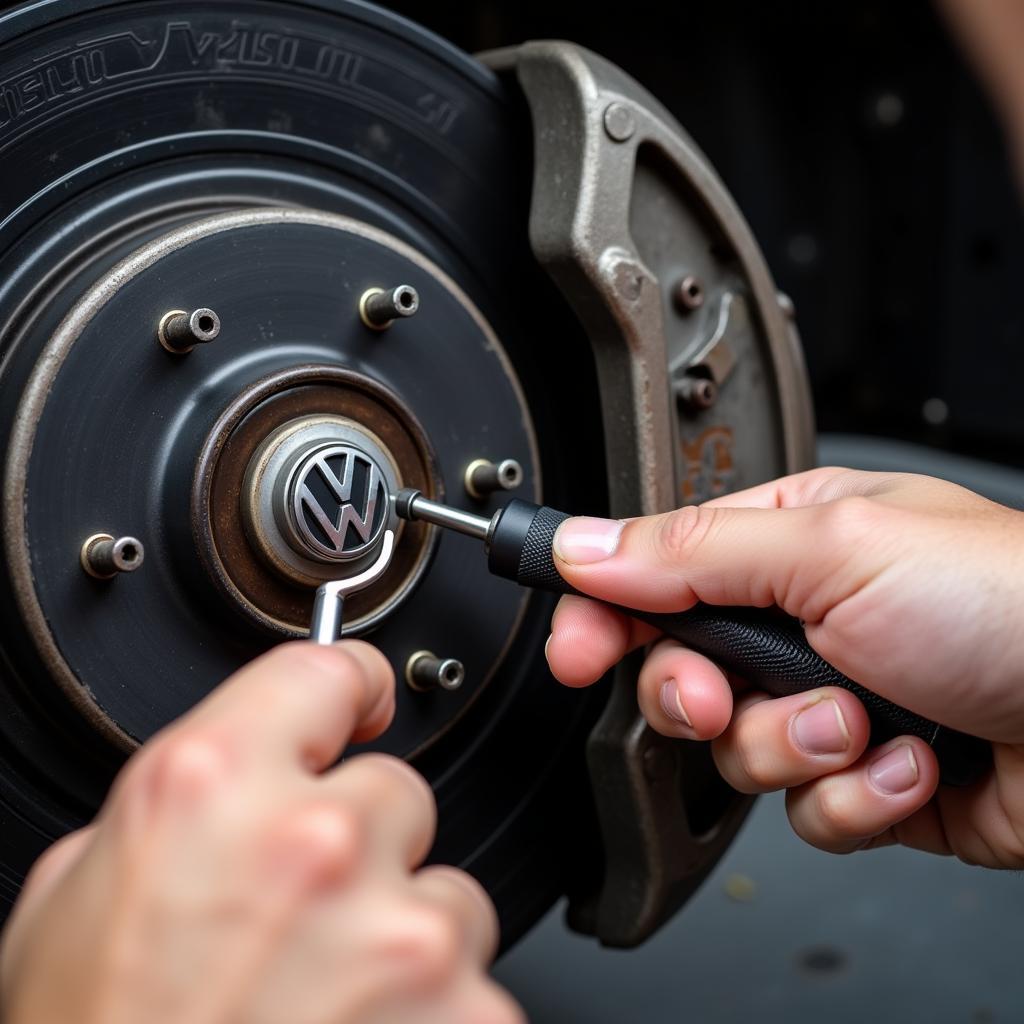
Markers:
<point>765,647</point>
<point>536,562</point>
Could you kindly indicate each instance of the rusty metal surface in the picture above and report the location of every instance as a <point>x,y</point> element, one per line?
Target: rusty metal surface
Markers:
<point>625,209</point>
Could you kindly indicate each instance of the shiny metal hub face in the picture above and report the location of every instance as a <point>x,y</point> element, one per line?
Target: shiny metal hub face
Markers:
<point>315,498</point>
<point>240,510</point>
<point>336,503</point>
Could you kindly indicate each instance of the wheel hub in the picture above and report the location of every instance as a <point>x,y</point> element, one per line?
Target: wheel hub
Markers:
<point>323,487</point>
<point>243,510</point>
<point>287,487</point>
<point>411,168</point>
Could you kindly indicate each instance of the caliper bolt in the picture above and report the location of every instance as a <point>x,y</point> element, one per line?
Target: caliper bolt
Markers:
<point>619,122</point>
<point>697,393</point>
<point>104,556</point>
<point>180,331</point>
<point>424,671</point>
<point>484,477</point>
<point>689,294</point>
<point>380,308</point>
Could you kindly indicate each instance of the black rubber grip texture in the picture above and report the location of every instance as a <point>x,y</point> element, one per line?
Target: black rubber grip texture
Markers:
<point>764,646</point>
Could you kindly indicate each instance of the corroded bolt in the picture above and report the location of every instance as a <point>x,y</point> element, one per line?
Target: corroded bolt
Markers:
<point>698,393</point>
<point>380,308</point>
<point>484,477</point>
<point>104,556</point>
<point>180,331</point>
<point>689,294</point>
<point>424,671</point>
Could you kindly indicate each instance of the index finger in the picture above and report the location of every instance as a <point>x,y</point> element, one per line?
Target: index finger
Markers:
<point>301,701</point>
<point>588,638</point>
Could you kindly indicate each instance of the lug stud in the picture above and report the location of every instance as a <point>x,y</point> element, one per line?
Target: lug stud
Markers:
<point>697,393</point>
<point>180,331</point>
<point>689,294</point>
<point>484,477</point>
<point>104,556</point>
<point>380,308</point>
<point>424,671</point>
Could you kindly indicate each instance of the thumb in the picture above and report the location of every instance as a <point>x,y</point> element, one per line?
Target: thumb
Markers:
<point>805,560</point>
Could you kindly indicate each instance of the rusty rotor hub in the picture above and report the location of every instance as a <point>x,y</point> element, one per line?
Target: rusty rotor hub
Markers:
<point>255,570</point>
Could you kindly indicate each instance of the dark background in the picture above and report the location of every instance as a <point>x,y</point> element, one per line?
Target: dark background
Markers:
<point>870,164</point>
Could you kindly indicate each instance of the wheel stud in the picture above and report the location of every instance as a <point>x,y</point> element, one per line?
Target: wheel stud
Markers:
<point>380,308</point>
<point>104,556</point>
<point>180,331</point>
<point>697,393</point>
<point>689,294</point>
<point>424,671</point>
<point>484,477</point>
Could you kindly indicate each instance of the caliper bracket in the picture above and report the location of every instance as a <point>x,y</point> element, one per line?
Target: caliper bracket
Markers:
<point>593,125</point>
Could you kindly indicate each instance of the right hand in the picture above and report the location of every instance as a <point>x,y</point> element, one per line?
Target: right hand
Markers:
<point>235,875</point>
<point>911,586</point>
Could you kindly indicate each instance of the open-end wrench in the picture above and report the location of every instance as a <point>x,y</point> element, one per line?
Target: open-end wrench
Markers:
<point>329,605</point>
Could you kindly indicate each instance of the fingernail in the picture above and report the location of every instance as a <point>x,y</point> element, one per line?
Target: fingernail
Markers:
<point>895,771</point>
<point>820,729</point>
<point>547,644</point>
<point>583,540</point>
<point>671,703</point>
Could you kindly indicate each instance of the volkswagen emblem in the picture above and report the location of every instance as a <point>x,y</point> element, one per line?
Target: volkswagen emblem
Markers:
<point>338,502</point>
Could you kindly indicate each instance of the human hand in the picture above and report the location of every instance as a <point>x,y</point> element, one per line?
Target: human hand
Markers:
<point>910,586</point>
<point>235,875</point>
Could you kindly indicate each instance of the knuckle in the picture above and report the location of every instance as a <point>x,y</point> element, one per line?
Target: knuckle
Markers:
<point>52,857</point>
<point>682,531</point>
<point>495,1006</point>
<point>481,907</point>
<point>182,767</point>
<point>41,865</point>
<point>324,841</point>
<point>754,769</point>
<point>850,518</point>
<point>835,812</point>
<point>428,945</point>
<point>387,775</point>
<point>751,755</point>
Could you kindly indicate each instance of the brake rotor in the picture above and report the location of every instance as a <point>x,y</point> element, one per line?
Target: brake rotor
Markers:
<point>203,199</point>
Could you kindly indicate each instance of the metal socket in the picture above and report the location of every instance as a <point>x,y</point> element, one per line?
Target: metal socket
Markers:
<point>180,331</point>
<point>104,556</point>
<point>379,308</point>
<point>484,477</point>
<point>424,671</point>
